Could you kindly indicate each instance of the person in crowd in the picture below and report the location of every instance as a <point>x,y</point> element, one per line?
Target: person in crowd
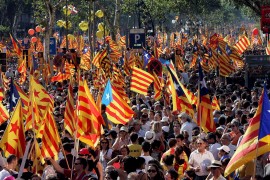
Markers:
<point>171,150</point>
<point>146,153</point>
<point>176,130</point>
<point>10,168</point>
<point>122,139</point>
<point>226,140</point>
<point>105,152</point>
<point>215,168</point>
<point>200,159</point>
<point>26,173</point>
<point>235,134</point>
<point>186,125</point>
<point>111,175</point>
<point>213,145</point>
<point>140,169</point>
<point>66,162</point>
<point>79,171</point>
<point>171,175</point>
<point>135,149</point>
<point>154,173</point>
<point>223,152</point>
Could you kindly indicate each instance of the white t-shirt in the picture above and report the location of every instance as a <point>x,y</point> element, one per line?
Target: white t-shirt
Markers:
<point>4,173</point>
<point>147,159</point>
<point>101,157</point>
<point>187,126</point>
<point>213,149</point>
<point>202,160</point>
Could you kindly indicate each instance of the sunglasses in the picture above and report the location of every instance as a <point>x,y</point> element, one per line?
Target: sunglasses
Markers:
<point>103,142</point>
<point>213,168</point>
<point>151,171</point>
<point>77,163</point>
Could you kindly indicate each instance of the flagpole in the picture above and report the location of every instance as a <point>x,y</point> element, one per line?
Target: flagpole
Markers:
<point>76,141</point>
<point>255,161</point>
<point>199,114</point>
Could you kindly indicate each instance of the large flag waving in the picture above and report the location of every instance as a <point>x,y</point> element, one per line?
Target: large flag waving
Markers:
<point>205,112</point>
<point>13,141</point>
<point>118,111</point>
<point>140,81</point>
<point>16,47</point>
<point>258,128</point>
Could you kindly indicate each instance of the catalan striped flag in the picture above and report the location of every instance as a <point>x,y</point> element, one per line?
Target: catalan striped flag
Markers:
<point>117,110</point>
<point>157,87</point>
<point>215,104</point>
<point>16,47</point>
<point>89,117</point>
<point>66,74</point>
<point>13,140</point>
<point>267,49</point>
<point>179,63</point>
<point>205,113</point>
<point>4,113</point>
<point>85,59</point>
<point>140,81</point>
<point>242,44</point>
<point>253,144</point>
<point>99,57</point>
<point>179,97</point>
<point>1,94</point>
<point>69,116</point>
<point>5,81</point>
<point>122,41</point>
<point>25,100</point>
<point>50,138</point>
<point>22,70</point>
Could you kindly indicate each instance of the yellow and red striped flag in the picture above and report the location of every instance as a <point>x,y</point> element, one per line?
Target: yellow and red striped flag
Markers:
<point>89,117</point>
<point>24,98</point>
<point>122,41</point>
<point>250,148</point>
<point>267,49</point>
<point>16,47</point>
<point>50,137</point>
<point>117,109</point>
<point>22,71</point>
<point>242,44</point>
<point>5,81</point>
<point>157,87</point>
<point>69,116</point>
<point>215,104</point>
<point>13,140</point>
<point>4,113</point>
<point>85,60</point>
<point>1,94</point>
<point>140,81</point>
<point>66,74</point>
<point>99,57</point>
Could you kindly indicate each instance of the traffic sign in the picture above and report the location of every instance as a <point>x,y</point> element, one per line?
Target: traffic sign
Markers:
<point>137,38</point>
<point>52,46</point>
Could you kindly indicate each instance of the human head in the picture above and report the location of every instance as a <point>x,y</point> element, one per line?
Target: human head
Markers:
<point>84,153</point>
<point>225,139</point>
<point>223,150</point>
<point>211,138</point>
<point>124,150</point>
<point>146,146</point>
<point>179,138</point>
<point>176,128</point>
<point>104,143</point>
<point>215,168</point>
<point>133,137</point>
<point>12,161</point>
<point>172,142</point>
<point>80,164</point>
<point>201,144</point>
<point>168,160</point>
<point>111,175</point>
<point>171,175</point>
<point>152,171</point>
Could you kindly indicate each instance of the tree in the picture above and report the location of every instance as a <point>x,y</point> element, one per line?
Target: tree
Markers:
<point>255,6</point>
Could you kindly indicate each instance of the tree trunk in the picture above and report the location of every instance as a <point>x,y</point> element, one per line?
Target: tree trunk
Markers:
<point>116,23</point>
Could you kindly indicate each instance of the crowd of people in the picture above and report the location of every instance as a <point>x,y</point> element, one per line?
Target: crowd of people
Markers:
<point>157,143</point>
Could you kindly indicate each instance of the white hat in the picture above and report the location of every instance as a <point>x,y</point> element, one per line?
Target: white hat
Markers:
<point>150,136</point>
<point>224,148</point>
<point>165,119</point>
<point>215,163</point>
<point>123,128</point>
<point>165,128</point>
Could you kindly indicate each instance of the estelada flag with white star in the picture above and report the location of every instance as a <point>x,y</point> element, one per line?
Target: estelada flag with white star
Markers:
<point>117,109</point>
<point>13,141</point>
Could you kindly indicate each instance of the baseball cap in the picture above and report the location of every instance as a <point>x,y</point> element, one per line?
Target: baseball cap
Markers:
<point>84,151</point>
<point>224,148</point>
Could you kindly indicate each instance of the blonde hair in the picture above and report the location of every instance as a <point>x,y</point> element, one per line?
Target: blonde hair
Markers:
<point>157,127</point>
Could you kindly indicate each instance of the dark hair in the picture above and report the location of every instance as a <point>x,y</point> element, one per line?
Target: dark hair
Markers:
<point>168,160</point>
<point>11,158</point>
<point>155,162</point>
<point>103,107</point>
<point>124,146</point>
<point>146,146</point>
<point>67,147</point>
<point>180,136</point>
<point>178,151</point>
<point>113,174</point>
<point>211,136</point>
<point>27,163</point>
<point>173,173</point>
<point>172,142</point>
<point>159,175</point>
<point>129,163</point>
<point>133,137</point>
<point>108,143</point>
<point>140,161</point>
<point>83,162</point>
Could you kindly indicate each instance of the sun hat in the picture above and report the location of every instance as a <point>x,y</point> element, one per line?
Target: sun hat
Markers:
<point>215,164</point>
<point>150,136</point>
<point>224,148</point>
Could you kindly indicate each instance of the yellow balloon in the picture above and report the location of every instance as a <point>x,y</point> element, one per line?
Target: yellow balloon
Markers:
<point>100,34</point>
<point>67,25</point>
<point>99,14</point>
<point>70,37</point>
<point>60,23</point>
<point>101,26</point>
<point>83,25</point>
<point>66,11</point>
